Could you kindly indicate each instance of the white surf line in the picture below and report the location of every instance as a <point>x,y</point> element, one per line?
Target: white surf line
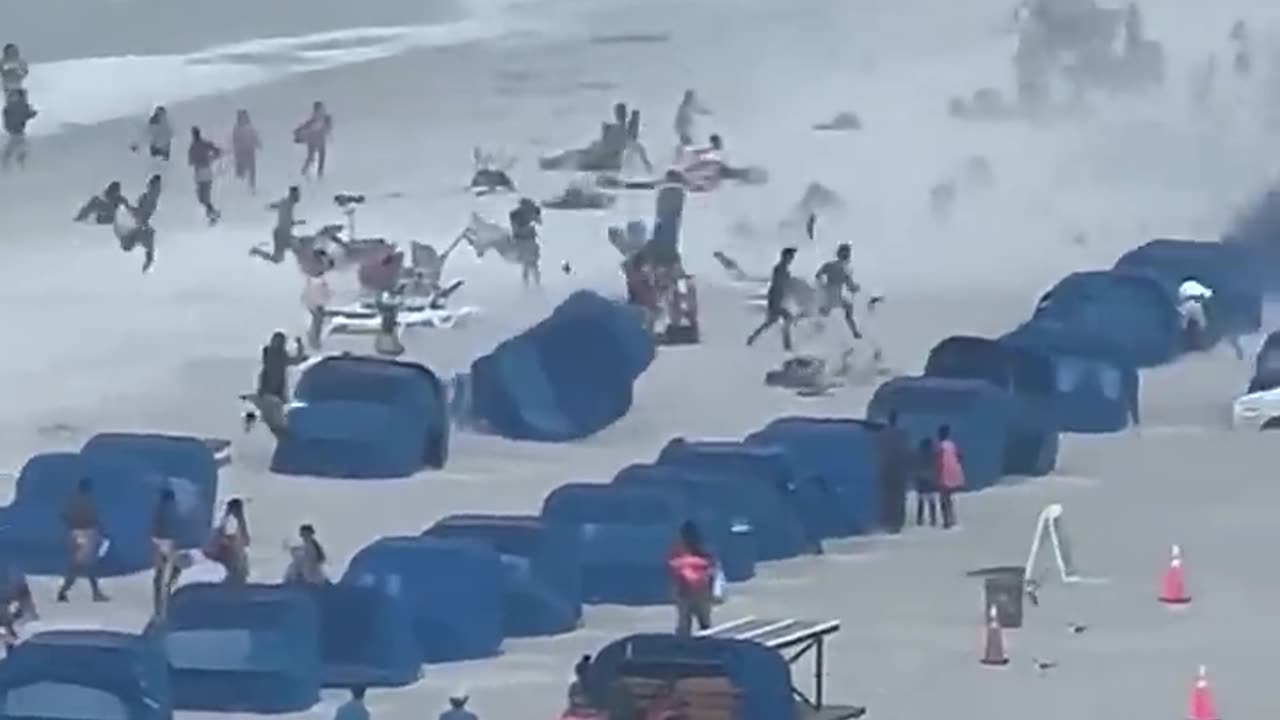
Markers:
<point>86,91</point>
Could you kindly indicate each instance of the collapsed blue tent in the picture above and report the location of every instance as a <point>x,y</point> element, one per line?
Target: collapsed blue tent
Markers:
<point>565,378</point>
<point>543,577</point>
<point>1233,272</point>
<point>1131,311</point>
<point>721,517</point>
<point>188,467</point>
<point>454,589</point>
<point>33,535</point>
<point>797,506</point>
<point>86,675</point>
<point>366,637</point>
<point>247,649</point>
<point>977,412</point>
<point>1027,376</point>
<point>1093,390</point>
<point>364,418</point>
<point>624,534</point>
<point>842,453</point>
<point>760,675</point>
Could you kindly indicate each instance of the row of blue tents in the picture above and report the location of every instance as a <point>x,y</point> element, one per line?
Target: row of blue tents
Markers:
<point>566,378</point>
<point>456,591</point>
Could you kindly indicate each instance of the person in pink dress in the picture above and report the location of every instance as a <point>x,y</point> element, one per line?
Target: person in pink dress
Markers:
<point>245,144</point>
<point>950,474</point>
<point>314,134</point>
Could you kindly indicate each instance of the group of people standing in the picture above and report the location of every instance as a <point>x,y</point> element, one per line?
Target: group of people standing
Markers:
<point>932,469</point>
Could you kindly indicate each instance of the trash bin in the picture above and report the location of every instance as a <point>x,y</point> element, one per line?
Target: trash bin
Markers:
<point>1004,591</point>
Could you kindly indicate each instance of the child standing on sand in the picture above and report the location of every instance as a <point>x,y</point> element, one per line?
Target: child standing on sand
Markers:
<point>950,475</point>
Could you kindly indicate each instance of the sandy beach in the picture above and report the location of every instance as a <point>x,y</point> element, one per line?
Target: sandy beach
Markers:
<point>95,345</point>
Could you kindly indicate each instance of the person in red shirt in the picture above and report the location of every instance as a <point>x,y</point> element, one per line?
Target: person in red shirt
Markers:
<point>692,574</point>
<point>950,474</point>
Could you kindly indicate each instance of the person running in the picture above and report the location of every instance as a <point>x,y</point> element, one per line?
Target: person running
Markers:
<point>282,240</point>
<point>157,135</point>
<point>273,383</point>
<point>307,559</point>
<point>229,546</point>
<point>84,537</point>
<point>143,233</point>
<point>164,541</point>
<point>13,69</point>
<point>18,112</point>
<point>201,156</point>
<point>834,278</point>
<point>776,299</point>
<point>314,133</point>
<point>950,473</point>
<point>245,144</point>
<point>101,209</point>
<point>692,576</point>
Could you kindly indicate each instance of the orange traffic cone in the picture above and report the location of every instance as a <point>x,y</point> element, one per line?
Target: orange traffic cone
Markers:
<point>1173,589</point>
<point>1200,706</point>
<point>993,652</point>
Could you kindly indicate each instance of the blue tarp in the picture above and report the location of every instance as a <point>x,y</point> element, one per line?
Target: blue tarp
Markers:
<point>842,453</point>
<point>722,518</point>
<point>364,418</point>
<point>1133,312</point>
<point>1094,390</point>
<point>977,412</point>
<point>247,649</point>
<point>86,675</point>
<point>126,490</point>
<point>1258,229</point>
<point>763,477</point>
<point>543,588</point>
<point>454,589</point>
<point>1233,272</point>
<point>1027,375</point>
<point>188,466</point>
<point>759,674</point>
<point>624,535</point>
<point>565,378</point>
<point>366,637</point>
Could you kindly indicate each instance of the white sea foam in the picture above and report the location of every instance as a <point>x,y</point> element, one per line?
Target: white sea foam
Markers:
<point>89,90</point>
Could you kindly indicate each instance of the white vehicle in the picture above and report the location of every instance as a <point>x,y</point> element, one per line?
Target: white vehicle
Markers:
<point>1257,411</point>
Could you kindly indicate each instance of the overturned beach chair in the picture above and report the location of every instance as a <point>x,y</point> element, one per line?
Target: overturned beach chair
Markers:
<point>794,639</point>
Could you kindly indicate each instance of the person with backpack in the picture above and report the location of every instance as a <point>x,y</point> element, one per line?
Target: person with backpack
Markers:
<point>950,472</point>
